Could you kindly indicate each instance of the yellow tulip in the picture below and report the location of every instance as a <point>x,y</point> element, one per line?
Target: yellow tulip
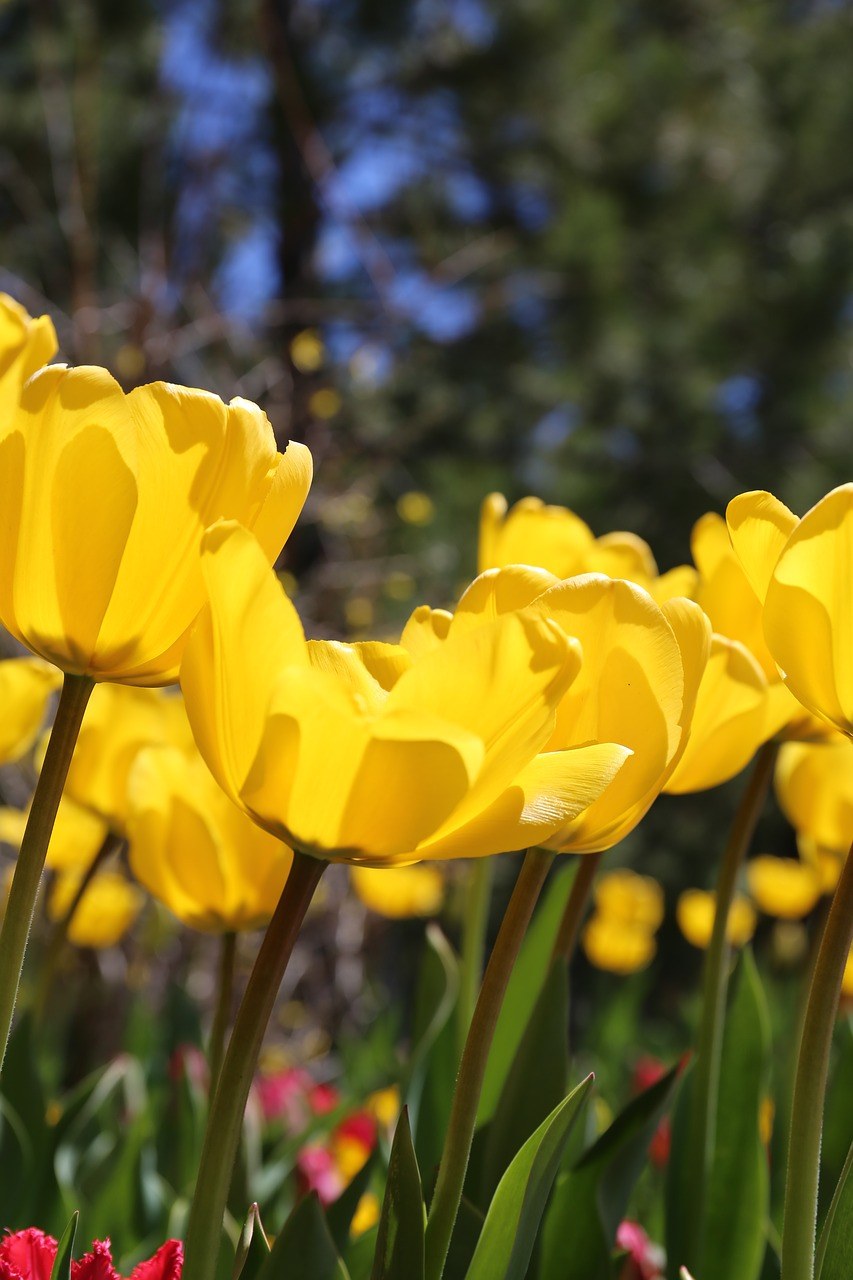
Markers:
<point>25,345</point>
<point>106,911</point>
<point>555,539</point>
<point>26,684</point>
<point>730,600</point>
<point>105,499</point>
<point>783,887</point>
<point>74,842</point>
<point>730,720</point>
<point>814,786</point>
<point>399,892</point>
<point>695,911</point>
<point>847,979</point>
<point>637,687</point>
<point>119,721</point>
<point>616,946</point>
<point>195,851</point>
<point>627,898</point>
<point>366,1215</point>
<point>800,570</point>
<point>443,764</point>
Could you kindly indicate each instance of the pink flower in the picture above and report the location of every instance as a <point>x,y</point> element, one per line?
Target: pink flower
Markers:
<point>29,1255</point>
<point>317,1170</point>
<point>323,1099</point>
<point>284,1095</point>
<point>645,1260</point>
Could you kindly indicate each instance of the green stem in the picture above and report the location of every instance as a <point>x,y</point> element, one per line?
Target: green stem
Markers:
<point>469,1082</point>
<point>706,1071</point>
<point>478,893</point>
<point>570,925</point>
<point>15,932</point>
<point>222,1016</point>
<point>59,936</point>
<point>798,1230</point>
<point>225,1120</point>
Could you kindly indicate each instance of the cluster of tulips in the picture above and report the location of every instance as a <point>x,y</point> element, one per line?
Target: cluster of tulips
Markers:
<point>571,685</point>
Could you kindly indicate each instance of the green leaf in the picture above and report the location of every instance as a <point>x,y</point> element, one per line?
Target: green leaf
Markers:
<point>591,1199</point>
<point>252,1248</point>
<point>61,1269</point>
<point>838,1116</point>
<point>536,1081</point>
<point>400,1240</point>
<point>432,1066</point>
<point>509,1233</point>
<point>739,1186</point>
<point>17,1162</point>
<point>835,1248</point>
<point>304,1249</point>
<point>527,979</point>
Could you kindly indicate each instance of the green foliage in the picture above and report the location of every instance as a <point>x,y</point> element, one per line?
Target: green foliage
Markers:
<point>509,1232</point>
<point>591,1198</point>
<point>835,1248</point>
<point>400,1240</point>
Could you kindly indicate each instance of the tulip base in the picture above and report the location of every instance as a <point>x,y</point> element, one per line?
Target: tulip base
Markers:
<point>14,935</point>
<point>225,1119</point>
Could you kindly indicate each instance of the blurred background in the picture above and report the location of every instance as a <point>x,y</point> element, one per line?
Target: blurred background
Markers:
<point>601,252</point>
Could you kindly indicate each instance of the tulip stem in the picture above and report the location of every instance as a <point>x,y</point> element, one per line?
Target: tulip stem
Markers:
<point>706,1071</point>
<point>76,691</point>
<point>469,1082</point>
<point>224,997</point>
<point>59,936</point>
<point>570,925</point>
<point>478,893</point>
<point>225,1119</point>
<point>801,1191</point>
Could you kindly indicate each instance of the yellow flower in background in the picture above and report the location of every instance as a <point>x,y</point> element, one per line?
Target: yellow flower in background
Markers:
<point>783,887</point>
<point>119,721</point>
<point>106,911</point>
<point>814,786</point>
<point>847,980</point>
<point>442,763</point>
<point>366,1215</point>
<point>105,499</point>
<point>617,947</point>
<point>26,685</point>
<point>75,840</point>
<point>637,687</point>
<point>555,539</point>
<point>400,892</point>
<point>695,911</point>
<point>416,508</point>
<point>195,851</point>
<point>800,570</point>
<point>25,345</point>
<point>384,1105</point>
<point>630,899</point>
<point>735,610</point>
<point>730,719</point>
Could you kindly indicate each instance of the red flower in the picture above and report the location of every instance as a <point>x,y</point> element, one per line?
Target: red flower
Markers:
<point>29,1255</point>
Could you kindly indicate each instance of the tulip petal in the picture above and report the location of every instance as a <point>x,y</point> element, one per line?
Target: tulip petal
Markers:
<point>729,722</point>
<point>759,526</point>
<point>242,641</point>
<point>552,790</point>
<point>425,630</point>
<point>25,687</point>
<point>808,613</point>
<point>499,591</point>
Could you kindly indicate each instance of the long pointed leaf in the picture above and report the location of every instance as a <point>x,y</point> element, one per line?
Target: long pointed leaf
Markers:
<point>400,1241</point>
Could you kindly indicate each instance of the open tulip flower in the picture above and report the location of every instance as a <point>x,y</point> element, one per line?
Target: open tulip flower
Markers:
<point>728,597</point>
<point>814,787</point>
<point>105,499</point>
<point>105,912</point>
<point>25,345</point>
<point>195,851</point>
<point>642,668</point>
<point>374,756</point>
<point>77,834</point>
<point>800,572</point>
<point>120,721</point>
<point>398,893</point>
<point>558,540</point>
<point>783,887</point>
